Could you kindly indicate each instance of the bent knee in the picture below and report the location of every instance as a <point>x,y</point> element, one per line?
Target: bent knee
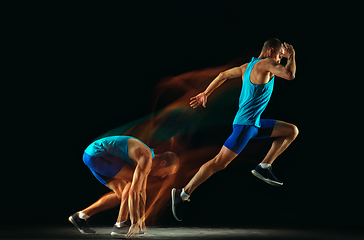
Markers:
<point>295,131</point>
<point>224,158</point>
<point>219,164</point>
<point>118,194</point>
<point>118,187</point>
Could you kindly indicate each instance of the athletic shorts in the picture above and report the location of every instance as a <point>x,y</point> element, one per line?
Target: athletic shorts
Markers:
<point>243,133</point>
<point>105,167</point>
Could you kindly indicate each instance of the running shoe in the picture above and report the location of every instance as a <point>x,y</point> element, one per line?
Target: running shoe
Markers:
<point>81,224</point>
<point>266,175</point>
<point>177,204</point>
<point>122,230</point>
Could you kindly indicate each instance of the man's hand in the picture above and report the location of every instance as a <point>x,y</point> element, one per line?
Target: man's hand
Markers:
<point>200,99</point>
<point>133,231</point>
<point>288,50</point>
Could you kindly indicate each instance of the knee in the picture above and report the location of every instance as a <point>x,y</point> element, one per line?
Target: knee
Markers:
<point>219,164</point>
<point>294,131</point>
<point>118,194</point>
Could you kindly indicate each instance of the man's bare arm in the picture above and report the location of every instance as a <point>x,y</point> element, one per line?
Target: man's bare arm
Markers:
<point>142,205</point>
<point>287,72</point>
<point>222,77</point>
<point>136,198</point>
<point>201,98</point>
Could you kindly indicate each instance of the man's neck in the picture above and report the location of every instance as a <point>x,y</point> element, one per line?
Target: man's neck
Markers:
<point>263,55</point>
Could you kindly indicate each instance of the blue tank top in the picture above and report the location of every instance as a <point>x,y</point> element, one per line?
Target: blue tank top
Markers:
<point>115,145</point>
<point>253,98</point>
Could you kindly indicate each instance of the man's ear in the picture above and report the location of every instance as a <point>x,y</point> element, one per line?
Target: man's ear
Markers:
<point>270,51</point>
<point>163,163</point>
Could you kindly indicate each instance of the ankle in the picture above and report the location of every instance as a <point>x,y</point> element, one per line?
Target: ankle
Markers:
<point>120,224</point>
<point>184,195</point>
<point>265,165</point>
<point>83,216</point>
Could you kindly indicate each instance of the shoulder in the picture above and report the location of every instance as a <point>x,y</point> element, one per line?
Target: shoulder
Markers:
<point>266,65</point>
<point>133,141</point>
<point>141,154</point>
<point>136,145</point>
<point>144,159</point>
<point>139,145</point>
<point>243,68</point>
<point>267,62</point>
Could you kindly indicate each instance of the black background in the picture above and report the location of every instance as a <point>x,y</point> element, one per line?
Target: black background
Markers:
<point>77,71</point>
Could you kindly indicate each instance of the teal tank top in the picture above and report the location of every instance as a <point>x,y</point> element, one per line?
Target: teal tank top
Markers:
<point>253,98</point>
<point>115,145</point>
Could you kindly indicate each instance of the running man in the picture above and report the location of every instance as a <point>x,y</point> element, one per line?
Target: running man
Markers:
<point>123,164</point>
<point>257,86</point>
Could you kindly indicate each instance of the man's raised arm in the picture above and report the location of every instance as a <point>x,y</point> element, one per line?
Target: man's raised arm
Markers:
<point>287,72</point>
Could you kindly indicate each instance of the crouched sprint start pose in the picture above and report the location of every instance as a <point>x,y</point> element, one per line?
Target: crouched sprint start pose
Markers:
<point>123,163</point>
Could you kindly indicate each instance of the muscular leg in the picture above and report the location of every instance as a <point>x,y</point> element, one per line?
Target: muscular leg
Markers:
<point>286,134</point>
<point>121,188</point>
<point>219,162</point>
<point>108,201</point>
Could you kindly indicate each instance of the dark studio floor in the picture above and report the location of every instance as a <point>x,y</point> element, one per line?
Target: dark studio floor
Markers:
<point>175,233</point>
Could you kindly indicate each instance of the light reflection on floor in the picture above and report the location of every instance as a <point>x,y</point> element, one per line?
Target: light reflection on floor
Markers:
<point>178,233</point>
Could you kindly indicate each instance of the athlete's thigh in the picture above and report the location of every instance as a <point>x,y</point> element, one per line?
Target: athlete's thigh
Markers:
<point>266,129</point>
<point>117,185</point>
<point>240,137</point>
<point>226,154</point>
<point>282,129</point>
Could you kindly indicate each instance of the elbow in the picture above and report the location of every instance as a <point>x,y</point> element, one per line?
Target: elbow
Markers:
<point>222,75</point>
<point>291,76</point>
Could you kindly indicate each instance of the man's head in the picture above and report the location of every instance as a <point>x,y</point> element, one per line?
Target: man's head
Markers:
<point>165,164</point>
<point>272,48</point>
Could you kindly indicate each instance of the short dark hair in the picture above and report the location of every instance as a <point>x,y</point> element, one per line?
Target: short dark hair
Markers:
<point>274,43</point>
<point>170,157</point>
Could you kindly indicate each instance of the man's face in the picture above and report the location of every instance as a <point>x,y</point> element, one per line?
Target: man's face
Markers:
<point>277,55</point>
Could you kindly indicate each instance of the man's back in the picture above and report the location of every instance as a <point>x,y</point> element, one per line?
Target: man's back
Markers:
<point>254,97</point>
<point>259,74</point>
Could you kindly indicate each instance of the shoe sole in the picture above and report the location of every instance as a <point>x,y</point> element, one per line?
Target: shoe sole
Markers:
<point>271,182</point>
<point>70,219</point>
<point>174,213</point>
<point>124,234</point>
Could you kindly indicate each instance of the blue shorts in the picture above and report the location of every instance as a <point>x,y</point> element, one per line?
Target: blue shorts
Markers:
<point>104,167</point>
<point>243,133</point>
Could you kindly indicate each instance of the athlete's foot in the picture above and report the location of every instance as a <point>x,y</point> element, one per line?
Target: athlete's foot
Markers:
<point>81,224</point>
<point>122,230</point>
<point>266,175</point>
<point>177,204</point>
